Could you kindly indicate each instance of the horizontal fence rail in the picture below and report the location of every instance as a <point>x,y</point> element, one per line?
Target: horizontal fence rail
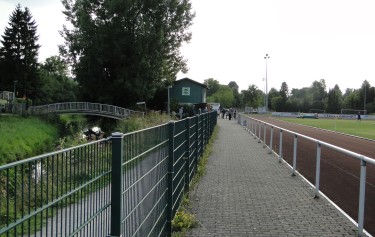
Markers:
<point>127,185</point>
<point>286,144</point>
<point>86,108</point>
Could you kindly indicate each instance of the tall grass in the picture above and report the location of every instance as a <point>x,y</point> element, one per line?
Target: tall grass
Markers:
<point>24,137</point>
<point>137,123</point>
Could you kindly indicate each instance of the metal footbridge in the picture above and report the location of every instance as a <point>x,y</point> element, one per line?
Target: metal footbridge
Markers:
<point>97,109</point>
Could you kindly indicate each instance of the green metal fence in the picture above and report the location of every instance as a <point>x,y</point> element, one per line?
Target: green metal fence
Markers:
<point>127,185</point>
<point>64,193</point>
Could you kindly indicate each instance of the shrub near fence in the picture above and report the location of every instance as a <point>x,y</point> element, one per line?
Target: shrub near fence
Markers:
<point>129,184</point>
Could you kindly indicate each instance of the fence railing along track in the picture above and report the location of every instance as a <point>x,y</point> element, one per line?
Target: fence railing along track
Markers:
<point>315,160</point>
<point>127,185</point>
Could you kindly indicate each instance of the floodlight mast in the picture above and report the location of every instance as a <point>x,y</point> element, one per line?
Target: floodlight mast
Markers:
<point>266,58</point>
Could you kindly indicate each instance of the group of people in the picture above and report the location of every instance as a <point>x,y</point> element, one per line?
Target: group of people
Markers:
<point>182,114</point>
<point>229,113</point>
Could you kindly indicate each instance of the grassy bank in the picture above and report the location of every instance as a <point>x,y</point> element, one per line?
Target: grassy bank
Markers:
<point>24,137</point>
<point>364,128</point>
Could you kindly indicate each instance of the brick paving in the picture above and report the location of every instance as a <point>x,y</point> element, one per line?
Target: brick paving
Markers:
<point>247,192</point>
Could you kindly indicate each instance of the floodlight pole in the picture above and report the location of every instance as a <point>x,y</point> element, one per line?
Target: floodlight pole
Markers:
<point>266,58</point>
<point>264,97</point>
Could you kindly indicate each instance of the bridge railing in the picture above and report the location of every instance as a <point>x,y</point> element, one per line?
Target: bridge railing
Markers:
<point>316,162</point>
<point>84,107</point>
<point>129,184</point>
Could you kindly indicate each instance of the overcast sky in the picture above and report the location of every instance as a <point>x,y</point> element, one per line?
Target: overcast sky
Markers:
<point>307,40</point>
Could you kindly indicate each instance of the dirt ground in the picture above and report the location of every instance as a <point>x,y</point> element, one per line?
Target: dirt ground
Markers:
<point>340,174</point>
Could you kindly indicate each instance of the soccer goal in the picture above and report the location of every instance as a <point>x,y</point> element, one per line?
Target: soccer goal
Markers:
<point>353,111</point>
<point>317,111</point>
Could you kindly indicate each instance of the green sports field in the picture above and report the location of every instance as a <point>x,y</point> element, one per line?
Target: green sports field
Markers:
<point>364,128</point>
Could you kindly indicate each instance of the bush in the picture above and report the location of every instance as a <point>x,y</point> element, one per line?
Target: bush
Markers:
<point>136,123</point>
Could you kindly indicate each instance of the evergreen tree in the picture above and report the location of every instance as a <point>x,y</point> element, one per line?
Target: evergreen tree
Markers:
<point>334,100</point>
<point>123,51</point>
<point>284,91</point>
<point>19,54</point>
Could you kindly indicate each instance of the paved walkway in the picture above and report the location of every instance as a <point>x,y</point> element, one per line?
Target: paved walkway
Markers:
<point>247,192</point>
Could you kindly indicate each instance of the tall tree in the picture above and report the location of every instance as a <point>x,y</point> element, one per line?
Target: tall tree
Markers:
<point>252,96</point>
<point>284,91</point>
<point>334,100</point>
<point>19,54</point>
<point>122,51</point>
<point>237,98</point>
<point>352,99</point>
<point>272,94</point>
<point>233,85</point>
<point>57,86</point>
<point>318,91</point>
<point>366,93</point>
<point>224,96</point>
<point>213,86</point>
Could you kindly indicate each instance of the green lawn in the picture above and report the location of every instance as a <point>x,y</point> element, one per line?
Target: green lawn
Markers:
<point>364,128</point>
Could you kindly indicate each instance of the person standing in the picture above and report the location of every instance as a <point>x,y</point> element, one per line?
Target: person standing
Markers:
<point>180,112</point>
<point>359,116</point>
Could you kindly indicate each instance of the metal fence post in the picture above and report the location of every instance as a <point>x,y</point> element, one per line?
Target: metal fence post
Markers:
<point>264,135</point>
<point>201,122</point>
<point>271,140</point>
<point>362,192</point>
<point>187,156</point>
<point>207,130</point>
<point>295,155</point>
<point>255,130</point>
<point>281,146</point>
<point>259,132</point>
<point>116,182</point>
<point>196,140</point>
<point>171,129</point>
<point>317,173</point>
